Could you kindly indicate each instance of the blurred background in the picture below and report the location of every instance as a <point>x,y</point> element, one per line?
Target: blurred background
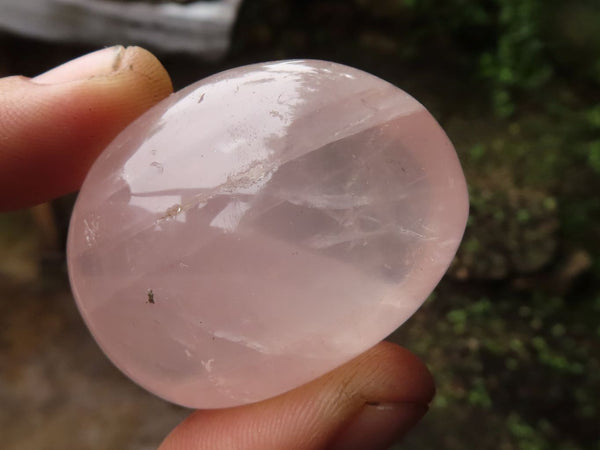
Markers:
<point>512,334</point>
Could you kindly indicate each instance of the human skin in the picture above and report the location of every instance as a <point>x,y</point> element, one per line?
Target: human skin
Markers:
<point>53,126</point>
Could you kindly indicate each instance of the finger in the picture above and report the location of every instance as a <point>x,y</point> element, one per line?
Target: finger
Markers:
<point>367,403</point>
<point>53,126</point>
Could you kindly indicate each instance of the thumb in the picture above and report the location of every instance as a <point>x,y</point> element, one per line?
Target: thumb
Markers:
<point>53,126</point>
<point>366,404</point>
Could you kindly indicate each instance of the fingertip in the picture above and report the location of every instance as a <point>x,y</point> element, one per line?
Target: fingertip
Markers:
<point>98,63</point>
<point>110,65</point>
<point>377,397</point>
<point>146,73</point>
<point>399,369</point>
<point>378,426</point>
<point>53,127</point>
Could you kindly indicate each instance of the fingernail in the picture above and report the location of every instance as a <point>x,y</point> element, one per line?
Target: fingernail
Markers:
<point>98,63</point>
<point>378,426</point>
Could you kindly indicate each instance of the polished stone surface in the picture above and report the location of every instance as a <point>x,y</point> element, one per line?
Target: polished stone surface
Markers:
<point>261,227</point>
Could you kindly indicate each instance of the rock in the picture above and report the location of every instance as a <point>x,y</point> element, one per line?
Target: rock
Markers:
<point>262,227</point>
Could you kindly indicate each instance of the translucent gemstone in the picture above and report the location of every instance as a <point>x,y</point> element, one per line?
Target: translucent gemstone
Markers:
<point>262,227</point>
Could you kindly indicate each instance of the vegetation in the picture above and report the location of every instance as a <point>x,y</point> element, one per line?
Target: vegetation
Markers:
<point>512,334</point>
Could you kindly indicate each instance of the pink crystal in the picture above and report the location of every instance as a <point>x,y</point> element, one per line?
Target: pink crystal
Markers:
<point>261,227</point>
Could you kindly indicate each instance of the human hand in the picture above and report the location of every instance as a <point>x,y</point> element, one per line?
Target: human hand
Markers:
<point>52,128</point>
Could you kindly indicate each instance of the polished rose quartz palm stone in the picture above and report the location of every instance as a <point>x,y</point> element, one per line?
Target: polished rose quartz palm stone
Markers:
<point>262,227</point>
